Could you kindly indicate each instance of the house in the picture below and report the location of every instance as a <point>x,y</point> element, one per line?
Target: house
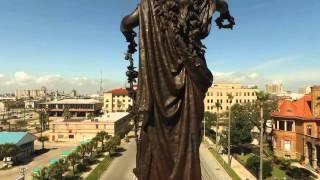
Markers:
<point>296,128</point>
<point>24,140</point>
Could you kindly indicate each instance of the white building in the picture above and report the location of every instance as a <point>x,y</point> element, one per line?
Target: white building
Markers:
<point>31,104</point>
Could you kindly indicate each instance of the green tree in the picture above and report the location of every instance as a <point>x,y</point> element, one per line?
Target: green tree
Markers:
<point>253,165</point>
<point>90,116</point>
<point>210,119</point>
<point>56,171</point>
<point>112,144</point>
<point>73,159</point>
<point>82,150</point>
<point>101,137</point>
<point>43,139</point>
<point>43,174</point>
<point>241,126</point>
<point>9,150</point>
<point>66,113</point>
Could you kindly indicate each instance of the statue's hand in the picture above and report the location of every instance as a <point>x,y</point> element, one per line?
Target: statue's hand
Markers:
<point>130,36</point>
<point>228,17</point>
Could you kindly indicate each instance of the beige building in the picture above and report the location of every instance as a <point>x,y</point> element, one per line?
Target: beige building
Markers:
<point>75,131</point>
<point>274,88</point>
<point>77,107</point>
<point>116,100</point>
<point>219,93</point>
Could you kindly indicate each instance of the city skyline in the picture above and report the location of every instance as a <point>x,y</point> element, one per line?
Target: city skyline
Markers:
<point>66,44</point>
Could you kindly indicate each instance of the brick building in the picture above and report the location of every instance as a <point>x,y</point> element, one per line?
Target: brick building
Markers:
<point>297,128</point>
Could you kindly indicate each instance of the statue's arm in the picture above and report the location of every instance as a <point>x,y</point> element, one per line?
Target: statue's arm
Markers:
<point>128,23</point>
<point>222,6</point>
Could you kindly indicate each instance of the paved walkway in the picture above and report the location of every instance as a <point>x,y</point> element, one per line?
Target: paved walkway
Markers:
<point>39,161</point>
<point>210,167</point>
<point>242,172</point>
<point>121,167</point>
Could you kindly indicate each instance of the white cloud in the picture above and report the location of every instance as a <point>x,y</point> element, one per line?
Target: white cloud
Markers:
<point>23,80</point>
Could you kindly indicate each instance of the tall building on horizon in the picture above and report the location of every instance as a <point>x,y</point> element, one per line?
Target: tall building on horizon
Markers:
<point>274,88</point>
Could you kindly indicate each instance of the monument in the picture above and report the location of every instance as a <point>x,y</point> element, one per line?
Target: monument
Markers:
<point>172,81</point>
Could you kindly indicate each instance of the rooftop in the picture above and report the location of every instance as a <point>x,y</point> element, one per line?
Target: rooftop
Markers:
<point>74,101</point>
<point>14,137</point>
<point>300,109</point>
<point>119,91</point>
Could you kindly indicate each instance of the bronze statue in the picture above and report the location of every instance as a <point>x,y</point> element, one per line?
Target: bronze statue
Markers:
<point>172,81</point>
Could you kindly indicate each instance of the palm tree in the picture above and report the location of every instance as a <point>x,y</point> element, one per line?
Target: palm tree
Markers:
<point>112,144</point>
<point>90,116</point>
<point>56,171</point>
<point>230,98</point>
<point>102,136</point>
<point>43,174</point>
<point>218,106</point>
<point>82,150</point>
<point>73,158</point>
<point>262,98</point>
<point>89,149</point>
<point>43,139</point>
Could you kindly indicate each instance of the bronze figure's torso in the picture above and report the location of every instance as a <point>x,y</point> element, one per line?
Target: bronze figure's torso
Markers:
<point>172,82</point>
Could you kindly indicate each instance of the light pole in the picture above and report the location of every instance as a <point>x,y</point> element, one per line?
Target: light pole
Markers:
<point>230,97</point>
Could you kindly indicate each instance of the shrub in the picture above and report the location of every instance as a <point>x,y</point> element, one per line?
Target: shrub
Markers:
<point>253,163</point>
<point>299,173</point>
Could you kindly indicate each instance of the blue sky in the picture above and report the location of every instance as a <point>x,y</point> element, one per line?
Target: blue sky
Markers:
<point>66,43</point>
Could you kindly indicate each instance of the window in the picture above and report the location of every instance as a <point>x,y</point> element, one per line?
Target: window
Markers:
<point>71,136</point>
<point>309,130</point>
<point>281,125</point>
<point>70,131</point>
<point>97,126</point>
<point>208,101</point>
<point>253,93</point>
<point>290,126</point>
<point>287,145</point>
<point>60,136</point>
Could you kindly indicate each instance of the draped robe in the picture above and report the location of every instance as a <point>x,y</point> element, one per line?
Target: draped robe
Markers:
<point>170,94</point>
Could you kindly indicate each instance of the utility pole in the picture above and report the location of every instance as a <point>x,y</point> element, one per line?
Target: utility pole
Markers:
<point>230,97</point>
<point>218,105</point>
<point>204,129</point>
<point>261,142</point>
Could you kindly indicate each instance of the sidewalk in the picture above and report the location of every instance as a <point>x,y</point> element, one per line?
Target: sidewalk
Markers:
<point>238,168</point>
<point>243,173</point>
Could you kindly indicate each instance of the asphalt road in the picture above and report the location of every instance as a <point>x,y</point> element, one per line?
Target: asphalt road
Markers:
<point>121,168</point>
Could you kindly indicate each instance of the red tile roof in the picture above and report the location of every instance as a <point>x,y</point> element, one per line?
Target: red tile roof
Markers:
<point>300,109</point>
<point>119,91</point>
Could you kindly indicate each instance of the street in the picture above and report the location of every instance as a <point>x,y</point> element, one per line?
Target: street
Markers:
<point>121,167</point>
<point>39,161</point>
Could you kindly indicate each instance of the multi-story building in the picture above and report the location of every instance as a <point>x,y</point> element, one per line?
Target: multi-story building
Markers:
<point>75,131</point>
<point>297,128</point>
<point>77,107</point>
<point>219,93</point>
<point>116,100</point>
<point>31,93</point>
<point>274,88</point>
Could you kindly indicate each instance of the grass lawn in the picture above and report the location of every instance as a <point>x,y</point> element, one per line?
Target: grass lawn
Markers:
<point>100,169</point>
<point>276,171</point>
